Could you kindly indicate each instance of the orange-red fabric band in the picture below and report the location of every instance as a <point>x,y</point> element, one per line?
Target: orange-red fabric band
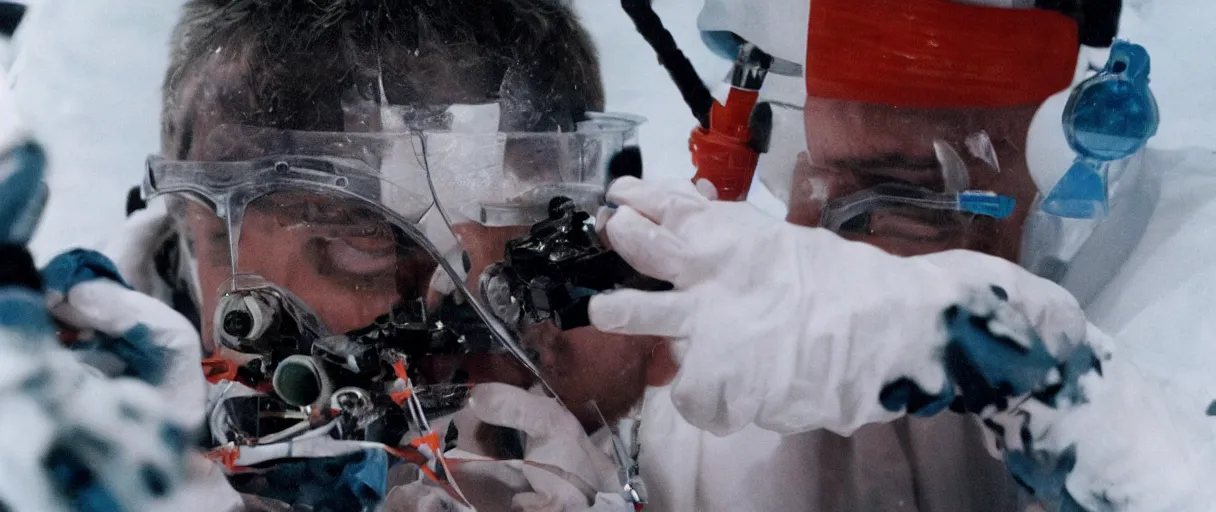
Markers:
<point>937,53</point>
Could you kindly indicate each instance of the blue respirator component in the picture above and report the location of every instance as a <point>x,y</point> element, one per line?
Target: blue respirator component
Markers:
<point>1109,117</point>
<point>985,203</point>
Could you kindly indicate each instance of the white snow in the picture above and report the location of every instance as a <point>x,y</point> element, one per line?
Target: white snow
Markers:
<point>89,76</point>
<point>88,81</point>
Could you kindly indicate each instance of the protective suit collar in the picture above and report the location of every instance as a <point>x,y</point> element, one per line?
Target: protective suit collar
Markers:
<point>1081,254</point>
<point>1134,197</point>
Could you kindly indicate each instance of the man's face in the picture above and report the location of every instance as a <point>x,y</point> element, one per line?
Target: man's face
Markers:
<point>350,266</point>
<point>853,146</point>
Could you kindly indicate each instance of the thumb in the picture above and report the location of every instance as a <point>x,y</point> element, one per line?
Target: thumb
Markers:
<point>540,417</point>
<point>707,189</point>
<point>554,436</point>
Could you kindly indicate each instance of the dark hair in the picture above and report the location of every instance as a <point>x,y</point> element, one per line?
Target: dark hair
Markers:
<point>292,64</point>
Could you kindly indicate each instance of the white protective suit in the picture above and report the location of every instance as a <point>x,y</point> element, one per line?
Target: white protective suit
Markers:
<point>1140,278</point>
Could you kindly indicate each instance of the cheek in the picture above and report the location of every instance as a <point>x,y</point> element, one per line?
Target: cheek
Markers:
<point>484,247</point>
<point>605,370</point>
<point>586,365</point>
<point>210,278</point>
<point>602,355</point>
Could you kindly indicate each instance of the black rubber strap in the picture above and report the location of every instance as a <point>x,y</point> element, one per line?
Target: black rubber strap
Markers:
<point>650,26</point>
<point>135,201</point>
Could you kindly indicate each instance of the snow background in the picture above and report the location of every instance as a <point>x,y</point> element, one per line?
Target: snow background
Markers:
<point>88,76</point>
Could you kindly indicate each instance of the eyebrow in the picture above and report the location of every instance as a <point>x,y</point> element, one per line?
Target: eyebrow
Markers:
<point>886,161</point>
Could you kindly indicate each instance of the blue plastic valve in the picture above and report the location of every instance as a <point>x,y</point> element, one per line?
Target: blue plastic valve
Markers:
<point>986,203</point>
<point>1110,116</point>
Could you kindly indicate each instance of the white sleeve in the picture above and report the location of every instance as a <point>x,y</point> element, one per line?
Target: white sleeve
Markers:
<point>1097,433</point>
<point>1115,439</point>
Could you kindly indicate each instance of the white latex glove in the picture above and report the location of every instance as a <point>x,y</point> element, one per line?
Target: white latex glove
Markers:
<point>118,438</point>
<point>102,305</point>
<point>566,471</point>
<point>794,328</point>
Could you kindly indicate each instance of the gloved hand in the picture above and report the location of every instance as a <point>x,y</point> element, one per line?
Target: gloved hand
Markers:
<point>562,470</point>
<point>151,341</point>
<point>1112,438</point>
<point>75,439</point>
<point>794,328</point>
<point>564,467</point>
<point>79,441</point>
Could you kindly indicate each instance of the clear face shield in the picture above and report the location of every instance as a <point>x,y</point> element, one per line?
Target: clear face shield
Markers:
<point>356,283</point>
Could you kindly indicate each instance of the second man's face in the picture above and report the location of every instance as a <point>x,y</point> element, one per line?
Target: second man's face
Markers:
<point>853,146</point>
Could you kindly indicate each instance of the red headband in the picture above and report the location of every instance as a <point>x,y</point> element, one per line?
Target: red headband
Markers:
<point>937,53</point>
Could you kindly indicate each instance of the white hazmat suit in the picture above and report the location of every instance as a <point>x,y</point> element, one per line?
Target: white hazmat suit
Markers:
<point>789,334</point>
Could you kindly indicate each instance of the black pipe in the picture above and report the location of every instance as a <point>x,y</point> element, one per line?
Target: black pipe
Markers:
<point>694,91</point>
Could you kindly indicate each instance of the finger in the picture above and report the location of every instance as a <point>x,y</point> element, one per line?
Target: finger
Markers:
<point>662,203</point>
<point>441,286</point>
<point>602,216</point>
<point>638,313</point>
<point>540,417</point>
<point>111,308</point>
<point>552,491</point>
<point>648,248</point>
<point>159,344</point>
